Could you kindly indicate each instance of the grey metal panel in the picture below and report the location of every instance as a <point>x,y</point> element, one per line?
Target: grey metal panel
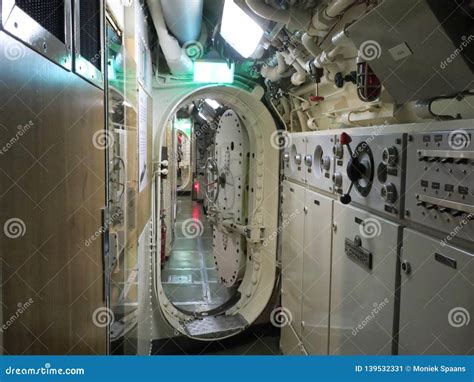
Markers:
<point>292,252</point>
<point>394,174</point>
<point>294,167</point>
<point>437,298</point>
<point>319,161</point>
<point>19,24</point>
<point>289,342</point>
<point>363,299</point>
<point>409,47</point>
<point>316,273</point>
<point>445,186</point>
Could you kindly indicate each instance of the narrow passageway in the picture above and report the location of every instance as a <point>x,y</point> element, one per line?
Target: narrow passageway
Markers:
<point>190,279</point>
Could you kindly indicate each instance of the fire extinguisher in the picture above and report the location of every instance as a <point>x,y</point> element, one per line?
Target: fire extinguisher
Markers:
<point>164,229</point>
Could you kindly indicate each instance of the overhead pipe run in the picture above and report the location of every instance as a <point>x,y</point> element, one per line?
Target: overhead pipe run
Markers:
<point>178,62</point>
<point>275,73</point>
<point>293,19</point>
<point>183,18</point>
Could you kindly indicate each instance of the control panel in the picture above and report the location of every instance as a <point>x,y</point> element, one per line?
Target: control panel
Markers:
<point>369,171</point>
<point>319,161</point>
<point>440,181</point>
<point>293,158</point>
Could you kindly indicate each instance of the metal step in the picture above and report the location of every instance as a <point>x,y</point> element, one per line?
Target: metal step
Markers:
<point>216,326</point>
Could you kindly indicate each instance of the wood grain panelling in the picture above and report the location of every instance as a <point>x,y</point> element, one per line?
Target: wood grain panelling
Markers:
<point>52,179</point>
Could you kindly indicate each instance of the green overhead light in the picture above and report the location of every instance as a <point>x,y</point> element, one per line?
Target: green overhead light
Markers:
<point>239,30</point>
<point>209,71</point>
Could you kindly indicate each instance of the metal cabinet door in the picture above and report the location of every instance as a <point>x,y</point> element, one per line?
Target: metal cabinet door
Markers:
<point>316,273</point>
<point>363,282</point>
<point>437,297</point>
<point>292,254</point>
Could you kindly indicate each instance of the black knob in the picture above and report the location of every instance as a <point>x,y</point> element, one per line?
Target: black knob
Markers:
<point>355,169</point>
<point>345,199</point>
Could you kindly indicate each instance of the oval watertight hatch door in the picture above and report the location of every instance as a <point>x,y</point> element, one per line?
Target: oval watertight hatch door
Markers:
<point>236,168</point>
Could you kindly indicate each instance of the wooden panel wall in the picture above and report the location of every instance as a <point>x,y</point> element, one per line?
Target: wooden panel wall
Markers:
<point>52,180</point>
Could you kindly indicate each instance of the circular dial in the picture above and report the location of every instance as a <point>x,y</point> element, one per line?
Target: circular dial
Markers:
<point>388,192</point>
<point>390,156</point>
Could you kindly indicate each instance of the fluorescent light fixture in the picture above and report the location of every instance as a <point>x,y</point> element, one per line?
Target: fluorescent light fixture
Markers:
<point>241,31</point>
<point>206,71</point>
<point>212,103</point>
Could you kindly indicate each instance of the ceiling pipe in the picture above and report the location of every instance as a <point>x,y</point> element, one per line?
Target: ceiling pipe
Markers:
<point>178,62</point>
<point>183,18</point>
<point>293,19</point>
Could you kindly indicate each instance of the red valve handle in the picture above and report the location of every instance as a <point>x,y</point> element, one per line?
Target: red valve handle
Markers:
<point>316,98</point>
<point>345,139</point>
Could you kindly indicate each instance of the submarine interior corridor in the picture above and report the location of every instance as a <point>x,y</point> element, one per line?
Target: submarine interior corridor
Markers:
<point>237,177</point>
<point>191,281</point>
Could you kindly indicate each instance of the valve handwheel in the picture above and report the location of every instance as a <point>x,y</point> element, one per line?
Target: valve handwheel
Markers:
<point>360,167</point>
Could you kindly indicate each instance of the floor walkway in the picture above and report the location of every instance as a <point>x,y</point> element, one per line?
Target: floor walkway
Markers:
<point>190,279</point>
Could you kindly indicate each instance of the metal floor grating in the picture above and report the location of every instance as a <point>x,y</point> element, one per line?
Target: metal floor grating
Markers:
<point>216,327</point>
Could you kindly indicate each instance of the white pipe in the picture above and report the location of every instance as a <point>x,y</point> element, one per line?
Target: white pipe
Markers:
<point>276,72</point>
<point>326,16</point>
<point>178,62</point>
<point>266,11</point>
<point>299,77</point>
<point>294,19</point>
<point>310,43</point>
<point>336,7</point>
<point>183,18</point>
